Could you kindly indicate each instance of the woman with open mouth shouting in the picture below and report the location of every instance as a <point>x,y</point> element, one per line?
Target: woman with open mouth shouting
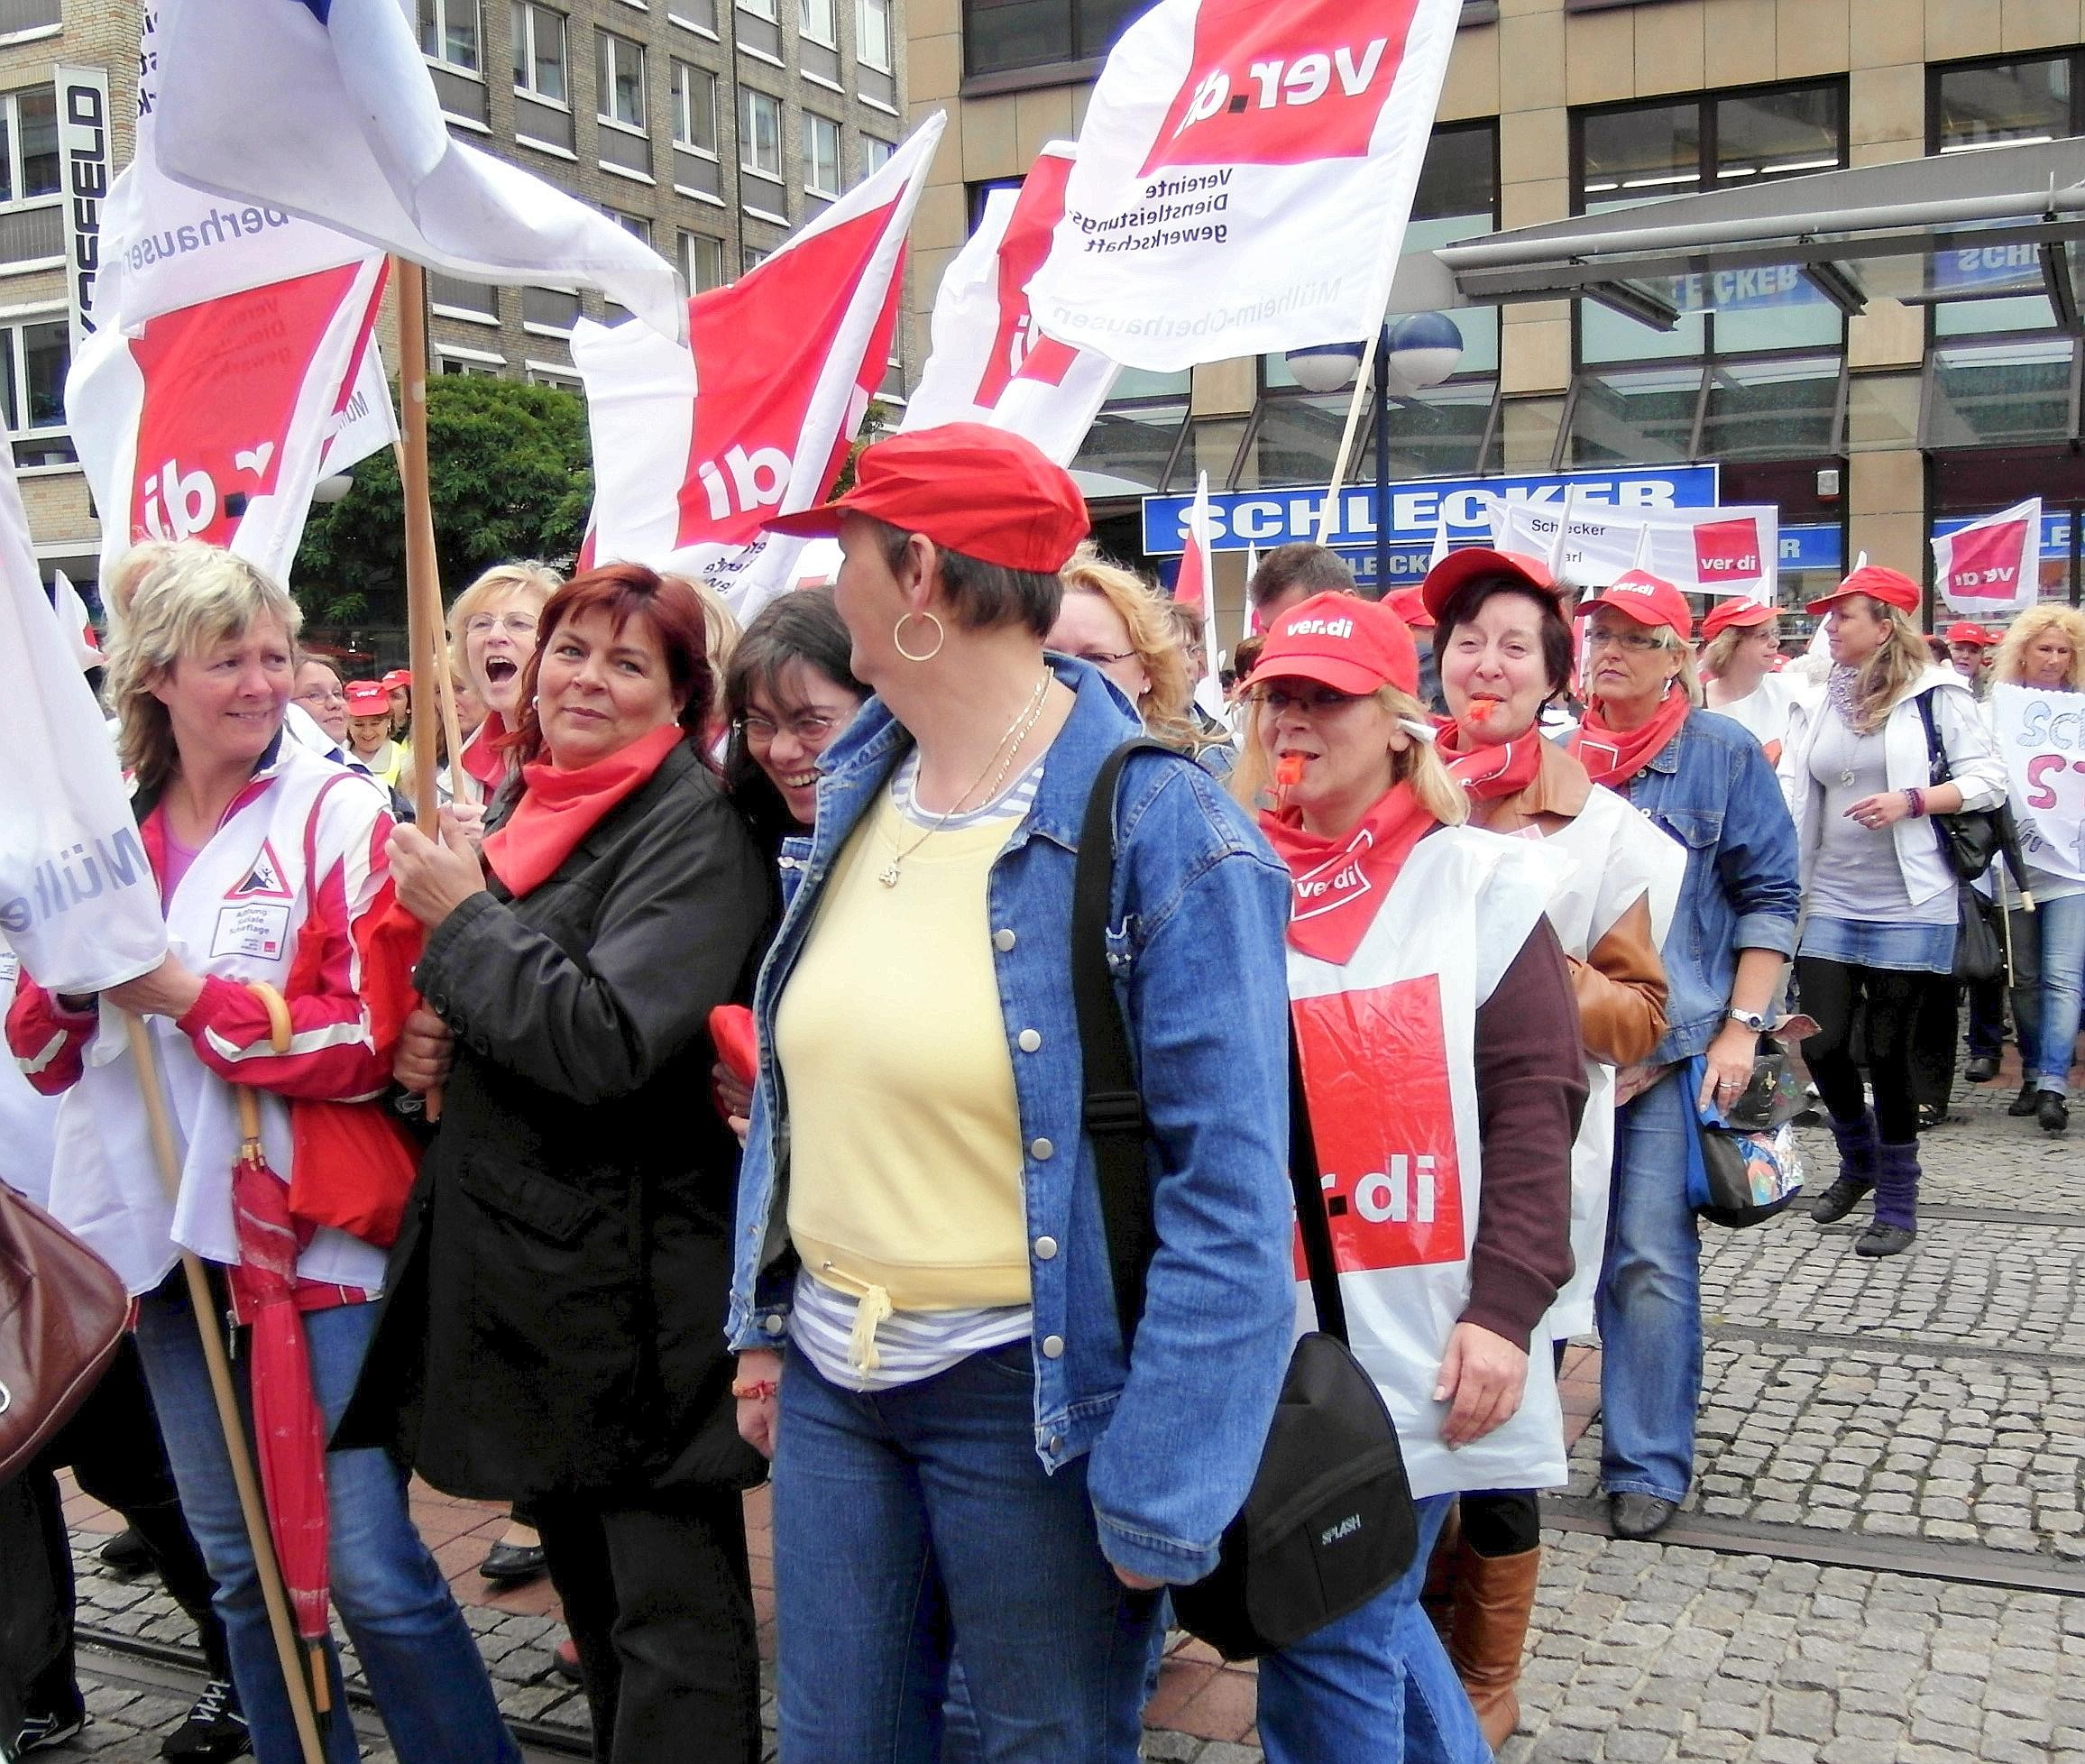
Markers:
<point>492,630</point>
<point>1438,1045</point>
<point>1505,652</point>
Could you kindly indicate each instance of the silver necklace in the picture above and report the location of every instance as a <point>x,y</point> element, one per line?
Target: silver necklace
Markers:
<point>1010,746</point>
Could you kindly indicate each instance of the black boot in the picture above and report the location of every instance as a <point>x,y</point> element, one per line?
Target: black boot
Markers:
<point>2051,1112</point>
<point>1857,1151</point>
<point>2026,1103</point>
<point>1895,1203</point>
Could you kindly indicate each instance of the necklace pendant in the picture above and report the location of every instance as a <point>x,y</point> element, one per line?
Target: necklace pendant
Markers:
<point>887,875</point>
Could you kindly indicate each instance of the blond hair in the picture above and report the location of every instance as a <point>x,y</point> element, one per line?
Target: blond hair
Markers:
<point>1713,661</point>
<point>128,572</point>
<point>2036,624</point>
<point>1151,635</point>
<point>721,628</point>
<point>526,579</point>
<point>193,598</point>
<point>1418,765</point>
<point>1884,678</point>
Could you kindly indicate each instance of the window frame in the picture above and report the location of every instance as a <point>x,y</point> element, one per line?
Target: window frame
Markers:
<point>748,132</point>
<point>811,119</point>
<point>522,15</point>
<point>14,330</point>
<point>683,111</point>
<point>10,148</point>
<point>607,64</point>
<point>684,242</point>
<point>803,30</point>
<point>863,11</point>
<point>438,21</point>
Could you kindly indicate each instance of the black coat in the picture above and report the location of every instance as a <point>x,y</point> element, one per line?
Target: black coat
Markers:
<point>555,1305</point>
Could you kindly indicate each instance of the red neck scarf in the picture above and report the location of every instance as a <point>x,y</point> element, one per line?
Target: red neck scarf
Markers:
<point>1613,756</point>
<point>484,755</point>
<point>559,807</point>
<point>1488,773</point>
<point>1339,883</point>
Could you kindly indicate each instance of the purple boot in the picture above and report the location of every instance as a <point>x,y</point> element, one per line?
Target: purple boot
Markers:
<point>1857,1151</point>
<point>1895,1203</point>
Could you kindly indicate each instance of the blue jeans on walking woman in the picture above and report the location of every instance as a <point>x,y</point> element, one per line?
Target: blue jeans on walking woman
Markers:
<point>1376,1686</point>
<point>417,1652</point>
<point>2062,925</point>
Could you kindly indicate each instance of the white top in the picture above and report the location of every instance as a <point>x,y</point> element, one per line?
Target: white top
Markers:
<point>1856,875</point>
<point>1764,712</point>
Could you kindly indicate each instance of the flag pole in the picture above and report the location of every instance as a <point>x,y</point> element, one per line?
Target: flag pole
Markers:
<point>1363,383</point>
<point>305,1698</point>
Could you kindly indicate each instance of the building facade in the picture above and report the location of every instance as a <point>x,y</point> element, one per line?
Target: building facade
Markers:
<point>1958,399</point>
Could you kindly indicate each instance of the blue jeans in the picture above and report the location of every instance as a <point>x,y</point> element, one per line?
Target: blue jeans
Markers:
<point>1374,1687</point>
<point>1648,1304</point>
<point>2062,924</point>
<point>417,1652</point>
<point>911,1522</point>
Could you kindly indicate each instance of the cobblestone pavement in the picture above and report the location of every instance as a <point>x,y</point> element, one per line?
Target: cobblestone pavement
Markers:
<point>1883,1561</point>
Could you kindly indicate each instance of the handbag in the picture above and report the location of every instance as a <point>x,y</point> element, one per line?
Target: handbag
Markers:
<point>1978,954</point>
<point>1743,1164</point>
<point>1329,1521</point>
<point>62,1313</point>
<point>1969,838</point>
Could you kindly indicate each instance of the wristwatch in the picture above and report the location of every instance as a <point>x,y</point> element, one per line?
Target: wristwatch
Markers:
<point>1752,1020</point>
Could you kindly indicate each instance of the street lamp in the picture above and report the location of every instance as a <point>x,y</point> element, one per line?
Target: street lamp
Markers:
<point>1419,351</point>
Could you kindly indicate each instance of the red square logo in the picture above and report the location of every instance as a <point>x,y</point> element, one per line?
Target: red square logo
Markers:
<point>1386,1153</point>
<point>1986,561</point>
<point>1728,551</point>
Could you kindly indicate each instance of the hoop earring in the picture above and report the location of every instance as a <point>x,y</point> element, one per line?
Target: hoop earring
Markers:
<point>897,637</point>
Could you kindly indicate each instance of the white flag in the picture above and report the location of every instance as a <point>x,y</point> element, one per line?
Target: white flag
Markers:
<point>77,900</point>
<point>697,445</point>
<point>1992,565</point>
<point>326,108</point>
<point>1244,175</point>
<point>75,622</point>
<point>1196,586</point>
<point>989,362</point>
<point>1730,551</point>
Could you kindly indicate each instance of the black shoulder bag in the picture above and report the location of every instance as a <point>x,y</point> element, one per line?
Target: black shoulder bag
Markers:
<point>1329,1522</point>
<point>1969,840</point>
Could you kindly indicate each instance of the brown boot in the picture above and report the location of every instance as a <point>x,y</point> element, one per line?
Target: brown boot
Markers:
<point>1493,1595</point>
<point>1437,1598</point>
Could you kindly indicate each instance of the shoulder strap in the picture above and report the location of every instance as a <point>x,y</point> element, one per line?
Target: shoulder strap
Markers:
<point>1115,1120</point>
<point>1937,766</point>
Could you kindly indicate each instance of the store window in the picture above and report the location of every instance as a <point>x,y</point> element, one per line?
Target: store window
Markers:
<point>1002,35</point>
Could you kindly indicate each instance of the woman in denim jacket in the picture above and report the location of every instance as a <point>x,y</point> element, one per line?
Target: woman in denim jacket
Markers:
<point>965,1455</point>
<point>1706,781</point>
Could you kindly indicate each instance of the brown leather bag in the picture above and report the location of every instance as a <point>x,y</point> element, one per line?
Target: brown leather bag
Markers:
<point>62,1313</point>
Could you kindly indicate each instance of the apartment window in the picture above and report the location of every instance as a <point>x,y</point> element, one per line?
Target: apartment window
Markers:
<point>751,257</point>
<point>452,32</point>
<point>539,52</point>
<point>29,144</point>
<point>702,261</point>
<point>759,132</point>
<point>820,155</point>
<point>819,20</point>
<point>767,9</point>
<point>553,373</point>
<point>34,359</point>
<point>618,80</point>
<point>998,37</point>
<point>872,34</point>
<point>695,15</point>
<point>635,224</point>
<point>694,109</point>
<point>554,309</point>
<point>874,155</point>
<point>455,298</point>
<point>476,363</point>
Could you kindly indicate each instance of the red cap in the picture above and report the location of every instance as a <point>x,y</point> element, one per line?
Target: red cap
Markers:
<point>1458,567</point>
<point>1962,632</point>
<point>1344,642</point>
<point>982,491</point>
<point>396,677</point>
<point>1409,605</point>
<point>1891,587</point>
<point>1650,599</point>
<point>367,698</point>
<point>1736,610</point>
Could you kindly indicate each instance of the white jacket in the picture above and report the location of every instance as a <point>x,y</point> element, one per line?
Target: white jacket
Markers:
<point>1972,757</point>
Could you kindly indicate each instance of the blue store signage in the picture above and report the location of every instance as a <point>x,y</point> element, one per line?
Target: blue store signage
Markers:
<point>1268,517</point>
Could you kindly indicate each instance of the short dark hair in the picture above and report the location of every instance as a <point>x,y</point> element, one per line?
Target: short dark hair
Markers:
<point>1468,600</point>
<point>1315,567</point>
<point>982,594</point>
<point>803,625</point>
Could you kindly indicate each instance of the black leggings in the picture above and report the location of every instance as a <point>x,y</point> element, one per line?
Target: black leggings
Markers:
<point>1833,992</point>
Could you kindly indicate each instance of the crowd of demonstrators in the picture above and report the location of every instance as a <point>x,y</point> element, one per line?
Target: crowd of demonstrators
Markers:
<point>371,744</point>
<point>229,810</point>
<point>1970,648</point>
<point>1880,902</point>
<point>1703,780</point>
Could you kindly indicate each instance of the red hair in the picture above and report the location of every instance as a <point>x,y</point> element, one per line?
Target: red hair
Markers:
<point>668,605</point>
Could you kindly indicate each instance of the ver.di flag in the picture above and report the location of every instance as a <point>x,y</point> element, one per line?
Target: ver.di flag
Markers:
<point>1992,565</point>
<point>697,445</point>
<point>326,108</point>
<point>1244,175</point>
<point>77,900</point>
<point>989,363</point>
<point>1731,551</point>
<point>1196,586</point>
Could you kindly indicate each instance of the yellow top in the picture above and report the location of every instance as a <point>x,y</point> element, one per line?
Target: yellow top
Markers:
<point>904,1166</point>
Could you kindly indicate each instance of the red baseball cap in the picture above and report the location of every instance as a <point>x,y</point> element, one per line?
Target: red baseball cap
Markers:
<point>1341,641</point>
<point>367,698</point>
<point>1962,632</point>
<point>982,491</point>
<point>396,677</point>
<point>1409,605</point>
<point>1650,599</point>
<point>1459,566</point>
<point>1736,610</point>
<point>1891,587</point>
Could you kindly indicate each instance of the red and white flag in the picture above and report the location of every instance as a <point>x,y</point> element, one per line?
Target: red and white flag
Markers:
<point>697,445</point>
<point>1244,175</point>
<point>78,903</point>
<point>215,422</point>
<point>76,622</point>
<point>989,362</point>
<point>1196,586</point>
<point>1994,565</point>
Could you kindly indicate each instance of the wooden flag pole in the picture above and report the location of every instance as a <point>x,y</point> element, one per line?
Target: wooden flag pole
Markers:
<point>306,1698</point>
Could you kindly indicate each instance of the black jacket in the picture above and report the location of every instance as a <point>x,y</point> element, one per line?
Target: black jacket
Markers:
<point>555,1305</point>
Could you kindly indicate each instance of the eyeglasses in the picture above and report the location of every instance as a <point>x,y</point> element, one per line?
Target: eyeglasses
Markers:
<point>1320,702</point>
<point>1637,641</point>
<point>811,729</point>
<point>515,624</point>
<point>322,695</point>
<point>1104,657</point>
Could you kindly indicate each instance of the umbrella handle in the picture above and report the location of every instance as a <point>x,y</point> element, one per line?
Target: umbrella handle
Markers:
<point>278,1032</point>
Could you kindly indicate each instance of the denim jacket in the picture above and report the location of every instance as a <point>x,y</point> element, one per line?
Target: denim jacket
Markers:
<point>1195,939</point>
<point>1712,789</point>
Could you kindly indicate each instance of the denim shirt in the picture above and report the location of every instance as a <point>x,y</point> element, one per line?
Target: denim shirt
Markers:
<point>1195,939</point>
<point>1712,789</point>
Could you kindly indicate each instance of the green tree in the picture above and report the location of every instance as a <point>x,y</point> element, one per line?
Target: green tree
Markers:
<point>509,474</point>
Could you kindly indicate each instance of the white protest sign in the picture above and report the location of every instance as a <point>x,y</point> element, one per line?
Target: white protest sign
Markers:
<point>1726,550</point>
<point>1992,565</point>
<point>2042,737</point>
